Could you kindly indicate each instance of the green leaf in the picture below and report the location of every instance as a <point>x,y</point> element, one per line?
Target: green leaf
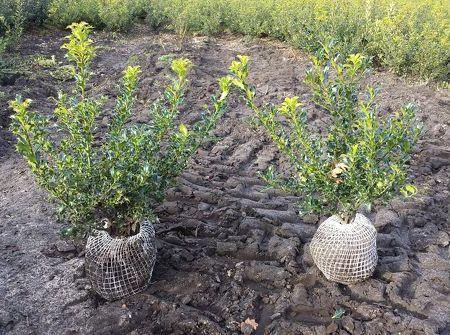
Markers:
<point>338,313</point>
<point>408,190</point>
<point>181,66</point>
<point>183,129</point>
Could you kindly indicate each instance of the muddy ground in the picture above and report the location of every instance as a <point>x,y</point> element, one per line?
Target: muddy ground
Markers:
<point>228,249</point>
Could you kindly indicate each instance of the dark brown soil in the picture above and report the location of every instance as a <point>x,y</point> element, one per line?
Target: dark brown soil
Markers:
<point>228,249</point>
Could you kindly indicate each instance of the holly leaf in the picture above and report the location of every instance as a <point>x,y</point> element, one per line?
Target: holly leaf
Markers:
<point>408,190</point>
<point>183,129</point>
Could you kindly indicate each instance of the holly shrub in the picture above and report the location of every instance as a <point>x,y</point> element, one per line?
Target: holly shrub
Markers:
<point>11,27</point>
<point>109,179</point>
<point>362,159</point>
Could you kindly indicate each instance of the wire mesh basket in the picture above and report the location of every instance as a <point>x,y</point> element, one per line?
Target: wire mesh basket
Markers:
<point>345,253</point>
<point>118,267</point>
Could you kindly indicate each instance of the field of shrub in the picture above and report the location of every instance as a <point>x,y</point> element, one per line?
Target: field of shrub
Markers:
<point>407,36</point>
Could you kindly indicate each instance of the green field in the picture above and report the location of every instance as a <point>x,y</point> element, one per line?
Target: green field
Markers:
<point>407,36</point>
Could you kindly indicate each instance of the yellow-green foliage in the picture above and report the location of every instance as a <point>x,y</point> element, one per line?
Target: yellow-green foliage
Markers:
<point>11,24</point>
<point>113,14</point>
<point>408,36</point>
<point>413,36</point>
<point>64,12</point>
<point>201,16</point>
<point>30,11</point>
<point>118,14</point>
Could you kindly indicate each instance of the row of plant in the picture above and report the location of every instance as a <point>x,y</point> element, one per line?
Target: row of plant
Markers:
<point>106,183</point>
<point>408,36</point>
<point>113,15</point>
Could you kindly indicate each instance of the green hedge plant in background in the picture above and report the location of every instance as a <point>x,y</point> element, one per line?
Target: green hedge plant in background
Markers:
<point>113,177</point>
<point>62,13</point>
<point>411,37</point>
<point>408,36</point>
<point>119,15</point>
<point>12,24</point>
<point>196,16</point>
<point>16,16</point>
<point>32,12</point>
<point>115,15</point>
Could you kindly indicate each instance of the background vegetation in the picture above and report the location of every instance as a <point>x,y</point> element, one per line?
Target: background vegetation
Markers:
<point>408,36</point>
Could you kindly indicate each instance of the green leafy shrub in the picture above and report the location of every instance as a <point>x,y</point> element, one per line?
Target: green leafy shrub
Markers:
<point>62,12</point>
<point>413,38</point>
<point>119,174</point>
<point>362,159</point>
<point>11,26</point>
<point>11,29</point>
<point>4,39</point>
<point>251,18</point>
<point>119,15</point>
<point>33,11</point>
<point>311,23</point>
<point>196,16</point>
<point>408,36</point>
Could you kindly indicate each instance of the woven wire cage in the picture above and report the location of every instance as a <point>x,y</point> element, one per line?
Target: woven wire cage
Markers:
<point>345,253</point>
<point>123,266</point>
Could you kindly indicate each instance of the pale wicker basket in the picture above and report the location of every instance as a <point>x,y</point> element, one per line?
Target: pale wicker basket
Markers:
<point>119,267</point>
<point>345,253</point>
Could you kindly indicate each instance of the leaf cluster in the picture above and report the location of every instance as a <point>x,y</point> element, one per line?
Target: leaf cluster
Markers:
<point>114,15</point>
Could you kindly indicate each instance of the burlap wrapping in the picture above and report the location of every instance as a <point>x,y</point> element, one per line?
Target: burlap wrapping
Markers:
<point>123,266</point>
<point>345,253</point>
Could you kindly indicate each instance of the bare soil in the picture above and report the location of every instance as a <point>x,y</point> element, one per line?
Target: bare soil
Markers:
<point>228,249</point>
